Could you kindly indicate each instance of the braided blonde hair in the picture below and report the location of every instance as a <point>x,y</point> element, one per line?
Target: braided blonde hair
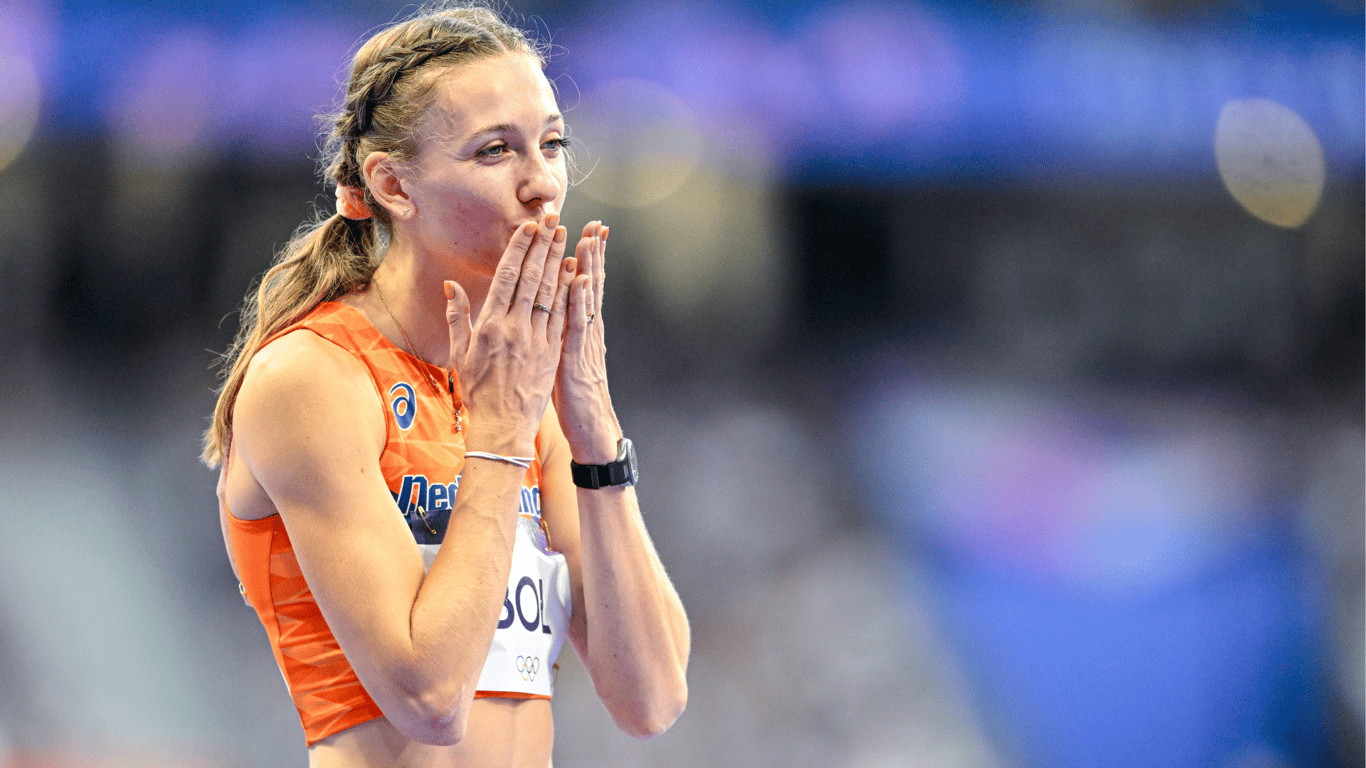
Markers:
<point>388,92</point>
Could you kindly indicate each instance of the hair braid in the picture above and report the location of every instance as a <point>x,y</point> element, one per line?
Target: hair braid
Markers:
<point>384,74</point>
<point>385,99</point>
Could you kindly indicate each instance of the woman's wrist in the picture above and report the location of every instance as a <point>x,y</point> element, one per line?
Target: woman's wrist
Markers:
<point>517,461</point>
<point>491,439</point>
<point>595,445</point>
<point>589,422</point>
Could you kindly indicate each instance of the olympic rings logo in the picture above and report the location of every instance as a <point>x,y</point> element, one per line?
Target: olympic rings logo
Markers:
<point>528,666</point>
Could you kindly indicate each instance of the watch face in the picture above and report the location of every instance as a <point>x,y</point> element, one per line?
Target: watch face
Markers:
<point>628,451</point>
<point>620,471</point>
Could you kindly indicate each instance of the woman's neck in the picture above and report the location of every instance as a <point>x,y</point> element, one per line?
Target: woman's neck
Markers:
<point>407,303</point>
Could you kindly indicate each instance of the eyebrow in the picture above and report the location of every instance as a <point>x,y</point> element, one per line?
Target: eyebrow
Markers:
<point>507,127</point>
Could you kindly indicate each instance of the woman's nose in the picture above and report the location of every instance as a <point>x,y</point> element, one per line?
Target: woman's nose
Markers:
<point>542,185</point>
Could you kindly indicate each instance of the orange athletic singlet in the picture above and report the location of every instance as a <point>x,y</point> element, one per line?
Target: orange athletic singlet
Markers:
<point>422,460</point>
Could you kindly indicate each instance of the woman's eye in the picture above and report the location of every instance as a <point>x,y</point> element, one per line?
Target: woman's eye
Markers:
<point>493,151</point>
<point>555,145</point>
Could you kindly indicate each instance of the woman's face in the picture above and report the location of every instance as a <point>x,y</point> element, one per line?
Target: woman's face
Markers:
<point>490,157</point>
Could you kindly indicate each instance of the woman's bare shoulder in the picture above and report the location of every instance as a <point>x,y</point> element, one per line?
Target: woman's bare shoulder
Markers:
<point>299,358</point>
<point>302,388</point>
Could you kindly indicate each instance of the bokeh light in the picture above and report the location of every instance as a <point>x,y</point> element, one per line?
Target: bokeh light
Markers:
<point>886,66</point>
<point>729,280</point>
<point>19,100</point>
<point>640,143</point>
<point>1270,160</point>
<point>167,101</point>
<point>982,428</point>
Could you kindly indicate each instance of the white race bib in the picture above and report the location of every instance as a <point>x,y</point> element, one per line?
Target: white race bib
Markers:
<point>536,608</point>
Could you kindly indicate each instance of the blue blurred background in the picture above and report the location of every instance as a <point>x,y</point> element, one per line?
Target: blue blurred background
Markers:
<point>995,366</point>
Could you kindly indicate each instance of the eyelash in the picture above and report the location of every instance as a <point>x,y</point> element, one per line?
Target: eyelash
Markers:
<point>555,145</point>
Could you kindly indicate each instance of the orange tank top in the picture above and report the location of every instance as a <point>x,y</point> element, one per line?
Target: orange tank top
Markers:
<point>421,462</point>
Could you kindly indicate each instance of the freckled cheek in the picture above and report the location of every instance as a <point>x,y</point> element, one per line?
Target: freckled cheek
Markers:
<point>475,220</point>
<point>474,227</point>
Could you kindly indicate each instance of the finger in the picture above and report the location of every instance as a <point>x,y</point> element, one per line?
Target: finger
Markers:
<point>576,314</point>
<point>533,264</point>
<point>560,309</point>
<point>458,321</point>
<point>586,252</point>
<point>588,256</point>
<point>550,276</point>
<point>590,230</point>
<point>510,267</point>
<point>600,269</point>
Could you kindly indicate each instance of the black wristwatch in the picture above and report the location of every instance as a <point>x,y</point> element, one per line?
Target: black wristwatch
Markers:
<point>620,472</point>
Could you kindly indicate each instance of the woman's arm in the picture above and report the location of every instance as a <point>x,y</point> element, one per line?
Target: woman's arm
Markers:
<point>309,431</point>
<point>222,492</point>
<point>308,428</point>
<point>629,625</point>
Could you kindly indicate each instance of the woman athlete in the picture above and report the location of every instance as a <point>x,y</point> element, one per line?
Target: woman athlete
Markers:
<point>424,487</point>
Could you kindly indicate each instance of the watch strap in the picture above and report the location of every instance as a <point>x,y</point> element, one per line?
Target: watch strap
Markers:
<point>595,476</point>
<point>613,473</point>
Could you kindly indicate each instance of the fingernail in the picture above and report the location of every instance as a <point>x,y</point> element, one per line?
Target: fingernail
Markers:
<point>552,220</point>
<point>450,289</point>
<point>569,265</point>
<point>605,232</point>
<point>560,234</point>
<point>528,229</point>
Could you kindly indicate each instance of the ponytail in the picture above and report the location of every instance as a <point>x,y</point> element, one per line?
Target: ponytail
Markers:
<point>388,92</point>
<point>322,262</point>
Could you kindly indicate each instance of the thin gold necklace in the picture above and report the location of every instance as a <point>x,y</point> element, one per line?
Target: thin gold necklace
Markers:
<point>412,350</point>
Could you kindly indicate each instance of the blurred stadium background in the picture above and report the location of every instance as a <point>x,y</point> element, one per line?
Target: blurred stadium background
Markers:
<point>996,368</point>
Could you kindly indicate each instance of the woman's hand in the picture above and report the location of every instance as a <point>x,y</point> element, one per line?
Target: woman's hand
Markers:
<point>581,396</point>
<point>506,359</point>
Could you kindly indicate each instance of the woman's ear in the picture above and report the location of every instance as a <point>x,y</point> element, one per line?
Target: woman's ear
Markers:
<point>384,178</point>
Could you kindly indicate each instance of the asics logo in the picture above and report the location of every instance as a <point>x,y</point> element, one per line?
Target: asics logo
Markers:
<point>404,404</point>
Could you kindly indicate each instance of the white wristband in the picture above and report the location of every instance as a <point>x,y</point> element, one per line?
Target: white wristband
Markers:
<point>524,463</point>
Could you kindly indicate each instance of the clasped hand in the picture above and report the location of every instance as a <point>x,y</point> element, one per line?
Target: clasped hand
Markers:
<point>538,333</point>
